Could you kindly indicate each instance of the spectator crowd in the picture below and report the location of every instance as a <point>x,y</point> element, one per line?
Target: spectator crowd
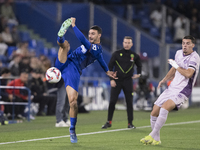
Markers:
<point>21,67</point>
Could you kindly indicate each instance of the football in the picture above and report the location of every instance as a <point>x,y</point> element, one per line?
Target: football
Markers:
<point>53,75</point>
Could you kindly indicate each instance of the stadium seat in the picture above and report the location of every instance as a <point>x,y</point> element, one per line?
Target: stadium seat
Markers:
<point>39,44</point>
<point>118,10</point>
<point>168,37</point>
<point>146,9</point>
<point>135,16</point>
<point>43,51</point>
<point>142,14</point>
<point>155,32</point>
<point>146,23</point>
<point>53,52</point>
<point>10,50</point>
<point>3,59</point>
<point>25,36</point>
<point>32,43</point>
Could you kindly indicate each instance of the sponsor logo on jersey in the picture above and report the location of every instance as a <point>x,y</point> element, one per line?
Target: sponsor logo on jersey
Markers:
<point>84,50</point>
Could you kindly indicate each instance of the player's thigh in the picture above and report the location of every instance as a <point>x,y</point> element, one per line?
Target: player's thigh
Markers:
<point>169,105</point>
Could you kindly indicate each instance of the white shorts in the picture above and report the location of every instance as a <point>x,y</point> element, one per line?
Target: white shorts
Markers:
<point>178,98</point>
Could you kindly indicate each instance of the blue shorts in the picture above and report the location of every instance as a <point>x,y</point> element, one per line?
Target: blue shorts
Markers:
<point>69,72</point>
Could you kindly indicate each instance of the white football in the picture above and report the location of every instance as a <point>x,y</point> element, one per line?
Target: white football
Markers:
<point>53,75</point>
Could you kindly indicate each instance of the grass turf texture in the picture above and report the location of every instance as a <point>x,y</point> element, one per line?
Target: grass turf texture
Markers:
<point>176,137</point>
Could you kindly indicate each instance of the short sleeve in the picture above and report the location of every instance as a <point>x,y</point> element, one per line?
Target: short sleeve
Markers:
<point>194,62</point>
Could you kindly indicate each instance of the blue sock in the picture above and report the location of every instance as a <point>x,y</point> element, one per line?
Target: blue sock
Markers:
<point>73,123</point>
<point>61,39</point>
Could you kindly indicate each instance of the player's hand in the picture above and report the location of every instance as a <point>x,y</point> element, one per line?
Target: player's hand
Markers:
<point>160,83</point>
<point>113,83</point>
<point>73,21</point>
<point>112,74</point>
<point>135,76</point>
<point>173,63</point>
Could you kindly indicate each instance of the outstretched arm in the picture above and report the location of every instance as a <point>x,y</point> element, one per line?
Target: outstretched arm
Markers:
<point>102,63</point>
<point>168,76</point>
<point>105,67</point>
<point>80,35</point>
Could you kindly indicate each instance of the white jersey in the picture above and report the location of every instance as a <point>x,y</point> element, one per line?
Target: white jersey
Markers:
<point>180,83</point>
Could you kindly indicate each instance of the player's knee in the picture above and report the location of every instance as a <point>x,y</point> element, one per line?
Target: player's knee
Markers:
<point>155,112</point>
<point>73,103</point>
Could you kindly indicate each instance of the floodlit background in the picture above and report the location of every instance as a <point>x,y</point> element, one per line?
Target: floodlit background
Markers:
<point>156,26</point>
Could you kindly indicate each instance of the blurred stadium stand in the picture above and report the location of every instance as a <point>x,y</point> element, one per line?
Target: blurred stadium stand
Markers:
<point>44,22</point>
<point>43,19</point>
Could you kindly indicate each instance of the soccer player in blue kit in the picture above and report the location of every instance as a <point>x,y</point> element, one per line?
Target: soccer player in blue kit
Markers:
<point>71,65</point>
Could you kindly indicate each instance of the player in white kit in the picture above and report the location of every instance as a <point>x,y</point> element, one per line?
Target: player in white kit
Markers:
<point>184,69</point>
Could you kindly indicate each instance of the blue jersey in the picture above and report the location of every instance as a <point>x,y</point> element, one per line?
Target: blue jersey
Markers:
<point>82,57</point>
<point>87,53</point>
<point>79,59</point>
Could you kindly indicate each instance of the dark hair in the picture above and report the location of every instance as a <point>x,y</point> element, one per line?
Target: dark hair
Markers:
<point>190,38</point>
<point>128,37</point>
<point>38,71</point>
<point>95,27</point>
<point>5,70</point>
<point>24,70</point>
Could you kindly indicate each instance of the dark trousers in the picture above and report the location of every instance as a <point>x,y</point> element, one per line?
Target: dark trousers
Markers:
<point>62,105</point>
<point>127,87</point>
<point>18,109</point>
<point>48,100</point>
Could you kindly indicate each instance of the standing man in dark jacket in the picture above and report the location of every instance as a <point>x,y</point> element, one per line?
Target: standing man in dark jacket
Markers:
<point>123,62</point>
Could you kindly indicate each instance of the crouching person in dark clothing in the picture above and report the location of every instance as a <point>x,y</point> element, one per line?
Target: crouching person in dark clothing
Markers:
<point>39,92</point>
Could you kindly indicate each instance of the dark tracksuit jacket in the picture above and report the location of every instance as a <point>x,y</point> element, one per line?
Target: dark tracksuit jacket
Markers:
<point>123,61</point>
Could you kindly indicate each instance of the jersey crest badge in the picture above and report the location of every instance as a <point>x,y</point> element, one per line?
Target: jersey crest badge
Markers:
<point>94,47</point>
<point>132,56</point>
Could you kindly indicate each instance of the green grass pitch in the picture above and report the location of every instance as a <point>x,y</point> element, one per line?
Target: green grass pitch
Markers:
<point>43,135</point>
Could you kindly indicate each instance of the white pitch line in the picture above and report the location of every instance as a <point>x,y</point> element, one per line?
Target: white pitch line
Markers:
<point>169,124</point>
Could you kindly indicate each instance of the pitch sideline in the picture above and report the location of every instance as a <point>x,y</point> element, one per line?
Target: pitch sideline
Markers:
<point>31,140</point>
